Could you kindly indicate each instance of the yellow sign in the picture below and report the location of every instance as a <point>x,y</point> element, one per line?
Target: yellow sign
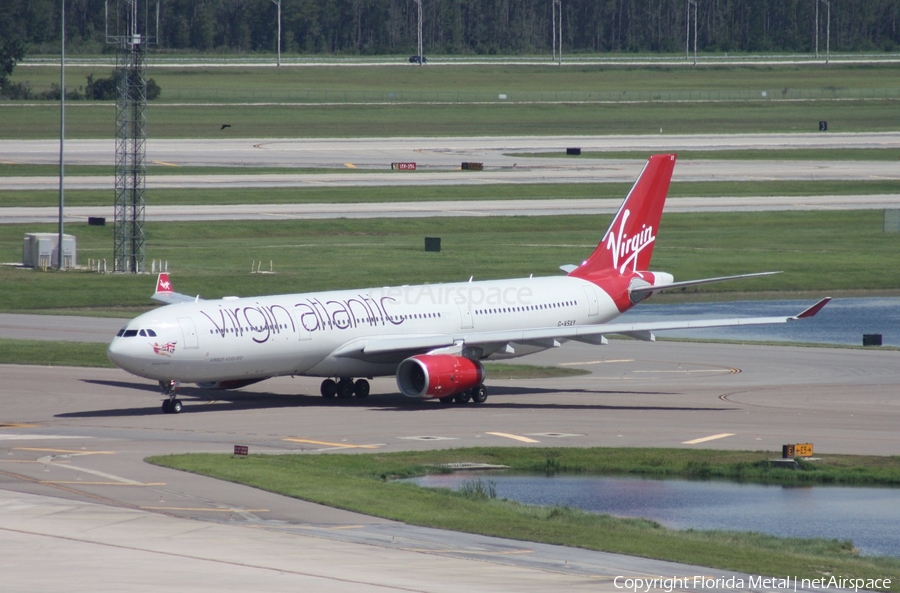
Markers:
<point>803,450</point>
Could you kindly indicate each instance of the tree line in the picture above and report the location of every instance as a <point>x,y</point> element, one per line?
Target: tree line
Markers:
<point>370,27</point>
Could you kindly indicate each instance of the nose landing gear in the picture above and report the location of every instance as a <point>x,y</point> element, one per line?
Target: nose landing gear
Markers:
<point>171,405</point>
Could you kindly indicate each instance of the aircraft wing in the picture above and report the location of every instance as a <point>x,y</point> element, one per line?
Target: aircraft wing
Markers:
<point>380,346</point>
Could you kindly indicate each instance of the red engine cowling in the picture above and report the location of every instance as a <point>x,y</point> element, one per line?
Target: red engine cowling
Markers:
<point>429,376</point>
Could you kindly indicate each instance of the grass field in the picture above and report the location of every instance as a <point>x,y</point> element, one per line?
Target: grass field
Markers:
<point>363,483</point>
<point>818,251</point>
<point>315,195</point>
<point>96,120</point>
<point>465,100</point>
<point>473,82</point>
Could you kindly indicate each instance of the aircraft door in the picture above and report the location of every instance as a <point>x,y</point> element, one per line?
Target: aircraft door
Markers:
<point>189,332</point>
<point>593,303</point>
<point>304,334</point>
<point>465,316</point>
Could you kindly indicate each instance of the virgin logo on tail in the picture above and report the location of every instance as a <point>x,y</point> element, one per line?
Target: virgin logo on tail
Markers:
<point>163,284</point>
<point>626,249</point>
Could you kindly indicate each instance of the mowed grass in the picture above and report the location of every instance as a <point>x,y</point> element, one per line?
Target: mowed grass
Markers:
<point>366,101</point>
<point>819,252</point>
<point>95,120</point>
<point>242,82</point>
<point>544,191</point>
<point>46,353</point>
<point>363,483</point>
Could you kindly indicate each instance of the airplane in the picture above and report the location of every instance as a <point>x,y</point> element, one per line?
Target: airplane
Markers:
<point>432,337</point>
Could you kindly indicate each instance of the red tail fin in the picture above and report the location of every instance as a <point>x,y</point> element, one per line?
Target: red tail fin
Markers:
<point>163,284</point>
<point>628,243</point>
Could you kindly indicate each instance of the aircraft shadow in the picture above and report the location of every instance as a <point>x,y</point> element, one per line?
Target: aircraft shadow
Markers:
<point>199,400</point>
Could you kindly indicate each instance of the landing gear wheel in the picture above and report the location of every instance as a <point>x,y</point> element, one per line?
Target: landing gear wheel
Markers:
<point>171,406</point>
<point>446,400</point>
<point>168,390</point>
<point>462,398</point>
<point>345,388</point>
<point>328,389</point>
<point>361,389</point>
<point>479,394</point>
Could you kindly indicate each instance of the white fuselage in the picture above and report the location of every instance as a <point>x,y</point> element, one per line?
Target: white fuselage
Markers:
<point>298,334</point>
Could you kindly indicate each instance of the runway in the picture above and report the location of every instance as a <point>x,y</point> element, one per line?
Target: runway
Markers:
<point>79,435</point>
<point>367,161</point>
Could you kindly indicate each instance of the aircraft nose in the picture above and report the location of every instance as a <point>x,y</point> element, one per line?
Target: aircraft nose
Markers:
<point>120,354</point>
<point>114,352</point>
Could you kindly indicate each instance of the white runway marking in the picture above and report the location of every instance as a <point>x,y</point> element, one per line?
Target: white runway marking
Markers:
<point>710,438</point>
<point>515,437</point>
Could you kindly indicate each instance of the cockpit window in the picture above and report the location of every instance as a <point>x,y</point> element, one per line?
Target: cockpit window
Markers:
<point>130,333</point>
<point>121,333</point>
<point>151,333</point>
<point>142,333</point>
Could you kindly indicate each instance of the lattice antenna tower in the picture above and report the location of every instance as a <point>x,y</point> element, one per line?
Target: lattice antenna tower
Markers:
<point>132,29</point>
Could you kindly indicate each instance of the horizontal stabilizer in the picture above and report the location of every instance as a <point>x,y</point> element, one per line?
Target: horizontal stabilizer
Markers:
<point>165,294</point>
<point>642,290</point>
<point>568,268</point>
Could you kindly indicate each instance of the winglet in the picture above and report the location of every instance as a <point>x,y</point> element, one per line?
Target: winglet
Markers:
<point>810,312</point>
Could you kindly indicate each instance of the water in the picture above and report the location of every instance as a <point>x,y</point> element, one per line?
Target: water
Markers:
<point>842,321</point>
<point>867,516</point>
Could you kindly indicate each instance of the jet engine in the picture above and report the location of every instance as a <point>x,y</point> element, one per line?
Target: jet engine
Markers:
<point>429,376</point>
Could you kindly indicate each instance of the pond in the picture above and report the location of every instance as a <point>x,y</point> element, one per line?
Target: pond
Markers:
<point>842,321</point>
<point>867,516</point>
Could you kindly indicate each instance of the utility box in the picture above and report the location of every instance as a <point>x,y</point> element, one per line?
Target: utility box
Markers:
<point>40,250</point>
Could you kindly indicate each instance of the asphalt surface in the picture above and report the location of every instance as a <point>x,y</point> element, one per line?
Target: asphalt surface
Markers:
<point>73,487</point>
<point>81,511</point>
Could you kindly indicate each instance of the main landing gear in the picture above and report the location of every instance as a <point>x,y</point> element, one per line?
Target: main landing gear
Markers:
<point>345,388</point>
<point>171,405</point>
<point>476,394</point>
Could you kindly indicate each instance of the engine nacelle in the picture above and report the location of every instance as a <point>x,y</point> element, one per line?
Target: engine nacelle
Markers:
<point>429,376</point>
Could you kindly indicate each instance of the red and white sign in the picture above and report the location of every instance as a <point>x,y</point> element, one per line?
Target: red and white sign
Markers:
<point>404,166</point>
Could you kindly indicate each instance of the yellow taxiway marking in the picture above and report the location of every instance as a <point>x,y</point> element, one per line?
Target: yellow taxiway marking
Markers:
<point>68,451</point>
<point>18,425</point>
<point>571,364</point>
<point>711,438</point>
<point>514,437</point>
<point>205,510</point>
<point>165,164</point>
<point>350,165</point>
<point>83,483</point>
<point>327,444</point>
